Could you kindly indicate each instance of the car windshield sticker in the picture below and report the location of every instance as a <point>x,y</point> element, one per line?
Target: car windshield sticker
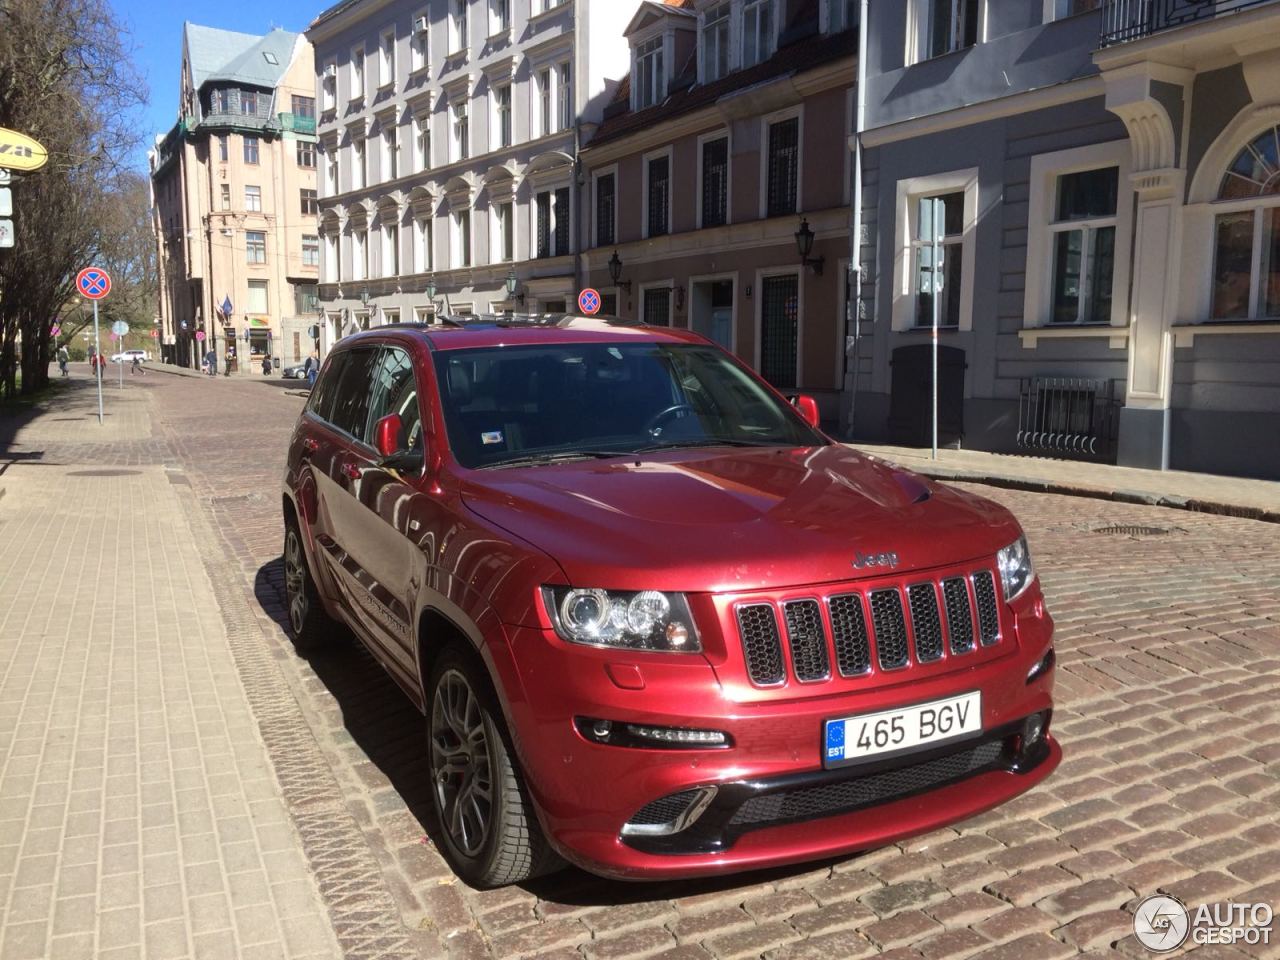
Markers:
<point>493,436</point>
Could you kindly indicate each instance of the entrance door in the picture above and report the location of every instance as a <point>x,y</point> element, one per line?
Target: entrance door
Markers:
<point>712,311</point>
<point>779,327</point>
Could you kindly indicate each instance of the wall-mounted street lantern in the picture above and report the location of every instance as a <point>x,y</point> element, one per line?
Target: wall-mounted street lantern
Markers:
<point>804,242</point>
<point>615,272</point>
<point>513,283</point>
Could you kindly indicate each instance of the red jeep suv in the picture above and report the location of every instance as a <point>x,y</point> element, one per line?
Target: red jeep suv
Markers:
<point>659,624</point>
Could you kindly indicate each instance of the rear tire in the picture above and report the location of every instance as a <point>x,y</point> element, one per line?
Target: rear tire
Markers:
<point>490,834</point>
<point>309,625</point>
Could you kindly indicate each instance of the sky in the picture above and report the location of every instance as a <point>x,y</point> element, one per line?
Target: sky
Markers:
<point>156,36</point>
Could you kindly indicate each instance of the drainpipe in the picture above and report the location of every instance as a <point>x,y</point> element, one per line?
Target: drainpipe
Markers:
<point>853,305</point>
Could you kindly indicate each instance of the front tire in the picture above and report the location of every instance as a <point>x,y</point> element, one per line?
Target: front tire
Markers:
<point>490,834</point>
<point>309,625</point>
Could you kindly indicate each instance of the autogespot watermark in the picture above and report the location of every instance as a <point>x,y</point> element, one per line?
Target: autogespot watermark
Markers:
<point>1163,924</point>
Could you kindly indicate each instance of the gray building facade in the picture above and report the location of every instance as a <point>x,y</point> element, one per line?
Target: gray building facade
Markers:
<point>1109,279</point>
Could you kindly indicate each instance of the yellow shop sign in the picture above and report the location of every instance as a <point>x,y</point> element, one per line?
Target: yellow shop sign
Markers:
<point>20,152</point>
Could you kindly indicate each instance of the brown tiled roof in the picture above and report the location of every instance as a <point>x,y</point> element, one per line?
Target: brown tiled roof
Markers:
<point>805,53</point>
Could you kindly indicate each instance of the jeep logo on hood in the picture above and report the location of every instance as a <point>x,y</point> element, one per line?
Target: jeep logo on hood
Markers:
<point>862,561</point>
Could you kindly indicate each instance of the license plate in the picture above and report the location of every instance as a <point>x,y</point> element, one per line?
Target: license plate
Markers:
<point>852,740</point>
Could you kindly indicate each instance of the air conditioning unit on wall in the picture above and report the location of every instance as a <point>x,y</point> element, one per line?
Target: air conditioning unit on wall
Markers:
<point>419,24</point>
<point>331,71</point>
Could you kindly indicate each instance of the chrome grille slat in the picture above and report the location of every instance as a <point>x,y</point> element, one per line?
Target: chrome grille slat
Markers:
<point>807,638</point>
<point>890,627</point>
<point>849,633</point>
<point>761,644</point>
<point>984,591</point>
<point>926,624</point>
<point>955,594</point>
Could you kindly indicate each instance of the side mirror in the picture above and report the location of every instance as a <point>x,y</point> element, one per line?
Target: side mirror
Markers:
<point>386,435</point>
<point>808,408</point>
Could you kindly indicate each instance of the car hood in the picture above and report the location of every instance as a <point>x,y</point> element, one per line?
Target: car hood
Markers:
<point>727,520</point>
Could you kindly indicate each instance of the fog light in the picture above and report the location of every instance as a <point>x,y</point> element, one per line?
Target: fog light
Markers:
<point>1032,730</point>
<point>600,729</point>
<point>713,738</point>
<point>644,735</point>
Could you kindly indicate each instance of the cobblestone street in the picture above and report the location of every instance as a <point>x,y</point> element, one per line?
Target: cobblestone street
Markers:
<point>1167,706</point>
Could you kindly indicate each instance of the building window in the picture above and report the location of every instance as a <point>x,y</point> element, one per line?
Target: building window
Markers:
<point>250,149</point>
<point>422,252</point>
<point>387,59</point>
<point>952,25</point>
<point>357,165</point>
<point>306,301</point>
<point>226,196</point>
<point>650,82</point>
<point>331,261</point>
<point>359,254</point>
<point>784,167</point>
<point>1084,246</point>
<point>331,177</point>
<point>222,148</point>
<point>310,250</point>
<point>258,301</point>
<point>462,238</point>
<point>255,246</point>
<point>553,223</point>
<point>306,154</point>
<point>780,330</point>
<point>543,240</point>
<point>561,213</point>
<point>304,106</point>
<point>249,103</point>
<point>1246,262</point>
<point>459,21</point>
<point>757,31</point>
<point>564,95</point>
<point>419,47</point>
<point>715,182</point>
<point>544,101</point>
<point>422,143</point>
<point>357,73</point>
<point>390,250</point>
<point>310,205</point>
<point>657,306</point>
<point>945,285</point>
<point>1060,9</point>
<point>461,130</point>
<point>390,153</point>
<point>658,196</point>
<point>499,16</point>
<point>715,42</point>
<point>329,86</point>
<point>504,234</point>
<point>502,115</point>
<point>253,198</point>
<point>843,15</point>
<point>606,209</point>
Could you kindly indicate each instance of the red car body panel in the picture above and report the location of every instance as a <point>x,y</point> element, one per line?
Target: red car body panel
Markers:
<point>393,555</point>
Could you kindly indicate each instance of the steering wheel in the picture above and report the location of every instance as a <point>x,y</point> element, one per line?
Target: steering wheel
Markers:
<point>663,415</point>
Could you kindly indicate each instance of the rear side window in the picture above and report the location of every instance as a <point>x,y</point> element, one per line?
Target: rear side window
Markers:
<point>321,402</point>
<point>350,411</point>
<point>396,391</point>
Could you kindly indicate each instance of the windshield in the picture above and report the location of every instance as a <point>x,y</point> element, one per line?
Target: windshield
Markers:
<point>527,403</point>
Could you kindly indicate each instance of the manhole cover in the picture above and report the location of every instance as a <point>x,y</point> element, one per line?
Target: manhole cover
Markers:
<point>1130,530</point>
<point>104,473</point>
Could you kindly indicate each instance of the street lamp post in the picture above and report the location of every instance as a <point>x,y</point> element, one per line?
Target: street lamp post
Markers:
<point>804,242</point>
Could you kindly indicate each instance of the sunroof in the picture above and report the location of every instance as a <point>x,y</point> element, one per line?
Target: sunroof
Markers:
<point>270,57</point>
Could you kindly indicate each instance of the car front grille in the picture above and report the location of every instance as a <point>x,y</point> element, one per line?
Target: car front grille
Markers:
<point>884,628</point>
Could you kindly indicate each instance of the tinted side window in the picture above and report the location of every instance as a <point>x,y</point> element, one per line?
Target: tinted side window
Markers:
<point>321,401</point>
<point>351,399</point>
<point>396,391</point>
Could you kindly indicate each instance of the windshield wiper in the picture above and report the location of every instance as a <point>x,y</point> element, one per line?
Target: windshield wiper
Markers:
<point>560,456</point>
<point>706,442</point>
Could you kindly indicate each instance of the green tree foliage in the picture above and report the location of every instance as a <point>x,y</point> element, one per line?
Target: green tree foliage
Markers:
<point>66,79</point>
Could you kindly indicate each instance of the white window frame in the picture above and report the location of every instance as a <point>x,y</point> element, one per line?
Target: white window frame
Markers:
<point>775,19</point>
<point>265,287</point>
<point>919,27</point>
<point>252,201</point>
<point>496,25</point>
<point>390,143</point>
<point>332,174</point>
<point>423,236</point>
<point>359,161</point>
<point>765,123</point>
<point>664,52</point>
<point>796,270</point>
<point>703,55</point>
<point>332,259</point>
<point>596,175</point>
<point>459,129</point>
<point>732,277</point>
<point>496,116</point>
<point>1052,15</point>
<point>459,27</point>
<point>422,143</point>
<point>498,255</point>
<point>457,248</point>
<point>724,133</point>
<point>543,82</point>
<point>908,192</point>
<point>668,152</point>
<point>563,95</point>
<point>419,43</point>
<point>359,253</point>
<point>387,59</point>
<point>389,252</point>
<point>328,87</point>
<point>550,189</point>
<point>832,15</point>
<point>1037,306</point>
<point>356,77</point>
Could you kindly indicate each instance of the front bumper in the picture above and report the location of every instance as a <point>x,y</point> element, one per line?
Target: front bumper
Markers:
<point>774,802</point>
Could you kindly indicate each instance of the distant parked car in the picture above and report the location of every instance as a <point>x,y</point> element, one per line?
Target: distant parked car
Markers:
<point>296,372</point>
<point>128,356</point>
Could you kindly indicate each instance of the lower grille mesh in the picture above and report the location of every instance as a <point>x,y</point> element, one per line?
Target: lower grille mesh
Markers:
<point>835,798</point>
<point>663,810</point>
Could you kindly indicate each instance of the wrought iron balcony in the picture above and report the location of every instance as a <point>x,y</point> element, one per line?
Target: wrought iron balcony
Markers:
<point>297,123</point>
<point>1124,20</point>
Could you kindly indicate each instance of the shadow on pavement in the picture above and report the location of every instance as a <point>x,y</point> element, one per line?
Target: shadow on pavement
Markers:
<point>390,730</point>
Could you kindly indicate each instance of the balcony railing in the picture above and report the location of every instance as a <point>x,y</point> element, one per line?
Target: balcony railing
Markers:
<point>297,123</point>
<point>1124,20</point>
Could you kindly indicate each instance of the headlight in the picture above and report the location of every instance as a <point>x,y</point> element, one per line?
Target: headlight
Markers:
<point>635,620</point>
<point>1016,572</point>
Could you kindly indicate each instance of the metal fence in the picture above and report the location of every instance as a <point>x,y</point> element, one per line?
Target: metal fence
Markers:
<point>1133,19</point>
<point>1071,416</point>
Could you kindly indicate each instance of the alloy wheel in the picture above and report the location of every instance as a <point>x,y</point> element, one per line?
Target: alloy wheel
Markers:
<point>295,581</point>
<point>460,763</point>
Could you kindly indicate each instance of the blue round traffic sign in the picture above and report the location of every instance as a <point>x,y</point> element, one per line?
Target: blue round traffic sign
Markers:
<point>589,301</point>
<point>94,283</point>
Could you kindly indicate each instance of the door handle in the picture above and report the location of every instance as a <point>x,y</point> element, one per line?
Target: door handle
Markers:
<point>309,445</point>
<point>350,471</point>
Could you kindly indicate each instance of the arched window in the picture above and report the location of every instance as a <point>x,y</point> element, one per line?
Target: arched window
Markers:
<point>1246,266</point>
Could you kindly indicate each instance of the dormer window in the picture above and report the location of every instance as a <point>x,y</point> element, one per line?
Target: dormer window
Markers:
<point>650,77</point>
<point>758,31</point>
<point>715,42</point>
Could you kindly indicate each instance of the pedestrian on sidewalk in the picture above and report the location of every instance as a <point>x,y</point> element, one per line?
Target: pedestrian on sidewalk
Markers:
<point>211,362</point>
<point>312,368</point>
<point>137,368</point>
<point>231,358</point>
<point>63,357</point>
<point>266,366</point>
